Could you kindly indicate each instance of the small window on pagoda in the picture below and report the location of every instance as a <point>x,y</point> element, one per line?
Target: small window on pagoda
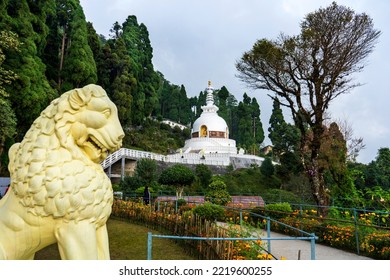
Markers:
<point>203,131</point>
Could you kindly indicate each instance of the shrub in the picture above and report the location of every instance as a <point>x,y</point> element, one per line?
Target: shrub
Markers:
<point>181,202</point>
<point>210,212</point>
<point>217,193</point>
<point>377,245</point>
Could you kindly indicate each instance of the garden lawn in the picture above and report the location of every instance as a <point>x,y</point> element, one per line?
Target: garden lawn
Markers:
<point>129,242</point>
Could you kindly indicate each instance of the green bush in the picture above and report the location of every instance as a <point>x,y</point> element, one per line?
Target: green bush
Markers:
<point>217,193</point>
<point>334,213</point>
<point>281,207</point>
<point>275,211</point>
<point>210,212</point>
<point>181,202</point>
<point>377,245</point>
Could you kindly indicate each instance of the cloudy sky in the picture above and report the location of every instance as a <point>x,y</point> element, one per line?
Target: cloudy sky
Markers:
<point>199,40</point>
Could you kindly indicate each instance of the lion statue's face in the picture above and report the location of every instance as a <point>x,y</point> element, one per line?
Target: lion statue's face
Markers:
<point>95,127</point>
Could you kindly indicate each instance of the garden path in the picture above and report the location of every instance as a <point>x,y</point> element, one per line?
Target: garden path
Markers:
<point>290,249</point>
<point>301,249</point>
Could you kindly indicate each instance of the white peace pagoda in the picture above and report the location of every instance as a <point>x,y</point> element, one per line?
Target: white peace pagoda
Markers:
<point>210,133</point>
<point>209,145</point>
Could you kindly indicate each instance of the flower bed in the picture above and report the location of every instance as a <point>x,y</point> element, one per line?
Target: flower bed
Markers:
<point>185,223</point>
<point>343,234</point>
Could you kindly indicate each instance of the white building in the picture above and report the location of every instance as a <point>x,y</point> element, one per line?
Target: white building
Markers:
<point>209,145</point>
<point>210,133</point>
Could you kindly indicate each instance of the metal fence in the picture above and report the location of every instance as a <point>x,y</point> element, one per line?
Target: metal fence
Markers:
<point>312,239</point>
<point>304,235</point>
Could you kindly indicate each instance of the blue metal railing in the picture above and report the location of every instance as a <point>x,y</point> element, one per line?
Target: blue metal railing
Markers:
<point>309,236</point>
<point>312,239</point>
<point>269,219</point>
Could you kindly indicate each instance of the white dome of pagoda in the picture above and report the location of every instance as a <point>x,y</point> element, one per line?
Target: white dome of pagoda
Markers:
<point>212,123</point>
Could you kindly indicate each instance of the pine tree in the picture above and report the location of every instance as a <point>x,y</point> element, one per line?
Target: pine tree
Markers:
<point>8,41</point>
<point>250,132</point>
<point>136,38</point>
<point>121,82</point>
<point>258,131</point>
<point>79,67</point>
<point>30,93</point>
<point>184,107</point>
<point>284,136</point>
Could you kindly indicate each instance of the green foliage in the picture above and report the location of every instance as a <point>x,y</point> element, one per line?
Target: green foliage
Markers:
<point>279,195</point>
<point>116,188</point>
<point>177,175</point>
<point>129,184</point>
<point>181,202</point>
<point>249,181</point>
<point>8,41</point>
<point>30,92</point>
<point>378,171</point>
<point>250,129</point>
<point>8,122</point>
<point>334,213</point>
<point>285,137</point>
<point>216,192</point>
<point>79,68</point>
<point>267,167</point>
<point>281,207</point>
<point>155,137</point>
<point>146,170</point>
<point>377,198</point>
<point>210,211</point>
<point>203,175</point>
<point>321,76</point>
<point>140,191</point>
<point>275,211</point>
<point>174,104</point>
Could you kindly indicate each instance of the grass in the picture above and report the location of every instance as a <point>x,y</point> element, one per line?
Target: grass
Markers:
<point>129,242</point>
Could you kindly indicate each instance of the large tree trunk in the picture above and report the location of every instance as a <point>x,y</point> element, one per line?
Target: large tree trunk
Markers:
<point>317,185</point>
<point>314,171</point>
<point>62,55</point>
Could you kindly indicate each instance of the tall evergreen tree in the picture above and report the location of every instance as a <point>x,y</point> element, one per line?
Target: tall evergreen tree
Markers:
<point>95,42</point>
<point>121,83</point>
<point>250,129</point>
<point>232,122</point>
<point>221,102</point>
<point>258,131</point>
<point>284,136</point>
<point>79,67</point>
<point>31,91</point>
<point>8,40</point>
<point>184,107</point>
<point>136,37</point>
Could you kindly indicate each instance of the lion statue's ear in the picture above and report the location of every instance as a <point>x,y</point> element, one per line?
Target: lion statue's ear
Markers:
<point>79,97</point>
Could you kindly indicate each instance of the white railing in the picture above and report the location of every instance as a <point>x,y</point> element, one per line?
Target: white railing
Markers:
<point>129,153</point>
<point>223,159</point>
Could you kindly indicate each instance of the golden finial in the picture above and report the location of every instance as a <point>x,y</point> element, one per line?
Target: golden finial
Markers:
<point>209,84</point>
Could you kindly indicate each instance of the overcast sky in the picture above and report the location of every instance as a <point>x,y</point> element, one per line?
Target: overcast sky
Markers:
<point>199,40</point>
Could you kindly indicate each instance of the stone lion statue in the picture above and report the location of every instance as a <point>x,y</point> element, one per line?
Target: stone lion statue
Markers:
<point>59,192</point>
